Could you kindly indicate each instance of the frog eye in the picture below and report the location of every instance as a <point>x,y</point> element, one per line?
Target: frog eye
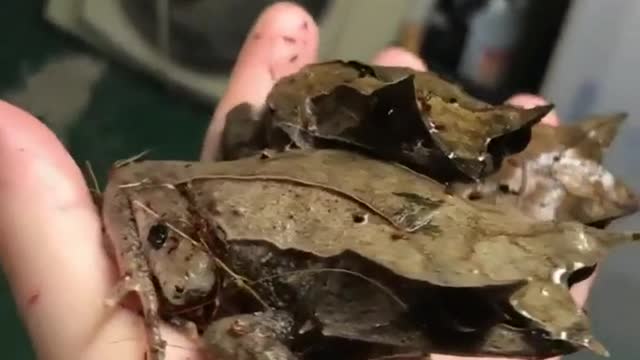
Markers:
<point>157,235</point>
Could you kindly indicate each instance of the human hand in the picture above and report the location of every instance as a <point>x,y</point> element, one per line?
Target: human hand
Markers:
<point>51,245</point>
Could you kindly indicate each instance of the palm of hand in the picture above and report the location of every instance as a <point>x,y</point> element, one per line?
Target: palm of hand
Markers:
<point>50,234</point>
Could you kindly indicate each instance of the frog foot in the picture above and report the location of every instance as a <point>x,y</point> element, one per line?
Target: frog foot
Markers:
<point>186,327</point>
<point>258,336</point>
<point>143,287</point>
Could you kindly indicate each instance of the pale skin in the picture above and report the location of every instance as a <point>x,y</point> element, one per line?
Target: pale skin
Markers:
<point>50,239</point>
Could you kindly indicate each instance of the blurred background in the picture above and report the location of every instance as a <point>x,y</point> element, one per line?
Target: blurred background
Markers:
<point>113,78</point>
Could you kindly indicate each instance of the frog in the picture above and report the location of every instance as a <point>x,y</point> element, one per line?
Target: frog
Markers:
<point>312,258</point>
<point>560,175</point>
<point>417,118</point>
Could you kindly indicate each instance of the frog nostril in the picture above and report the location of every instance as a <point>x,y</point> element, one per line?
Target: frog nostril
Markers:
<point>179,289</point>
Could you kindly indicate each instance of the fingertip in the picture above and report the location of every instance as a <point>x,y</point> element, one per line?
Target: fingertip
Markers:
<point>22,132</point>
<point>526,99</point>
<point>283,40</point>
<point>529,100</point>
<point>398,56</point>
<point>50,240</point>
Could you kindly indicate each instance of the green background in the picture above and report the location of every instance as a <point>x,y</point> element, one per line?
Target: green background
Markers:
<point>128,112</point>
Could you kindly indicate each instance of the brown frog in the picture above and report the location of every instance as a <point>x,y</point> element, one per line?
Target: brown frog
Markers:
<point>308,257</point>
<point>412,117</point>
<point>560,175</point>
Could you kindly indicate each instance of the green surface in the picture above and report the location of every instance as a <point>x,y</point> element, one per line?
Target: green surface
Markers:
<point>128,112</point>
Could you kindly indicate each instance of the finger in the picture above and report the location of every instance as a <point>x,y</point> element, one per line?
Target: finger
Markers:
<point>50,240</point>
<point>397,56</point>
<point>580,291</point>
<point>284,38</point>
<point>51,252</point>
<point>123,337</point>
<point>529,101</point>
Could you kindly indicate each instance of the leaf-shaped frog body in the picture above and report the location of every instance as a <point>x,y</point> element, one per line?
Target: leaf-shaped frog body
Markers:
<point>415,118</point>
<point>310,209</point>
<point>560,176</point>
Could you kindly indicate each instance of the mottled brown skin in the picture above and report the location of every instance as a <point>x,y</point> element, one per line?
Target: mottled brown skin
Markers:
<point>257,336</point>
<point>136,275</point>
<point>412,117</point>
<point>168,274</point>
<point>322,204</point>
<point>560,175</point>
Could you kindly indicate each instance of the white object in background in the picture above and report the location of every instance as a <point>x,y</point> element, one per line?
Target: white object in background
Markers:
<point>350,29</point>
<point>412,30</point>
<point>418,11</point>
<point>594,67</point>
<point>493,32</point>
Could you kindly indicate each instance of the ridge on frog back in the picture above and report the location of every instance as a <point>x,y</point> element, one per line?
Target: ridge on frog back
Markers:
<point>301,254</point>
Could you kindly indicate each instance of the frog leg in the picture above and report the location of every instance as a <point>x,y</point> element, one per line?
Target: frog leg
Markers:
<point>144,288</point>
<point>136,274</point>
<point>257,336</point>
<point>551,307</point>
